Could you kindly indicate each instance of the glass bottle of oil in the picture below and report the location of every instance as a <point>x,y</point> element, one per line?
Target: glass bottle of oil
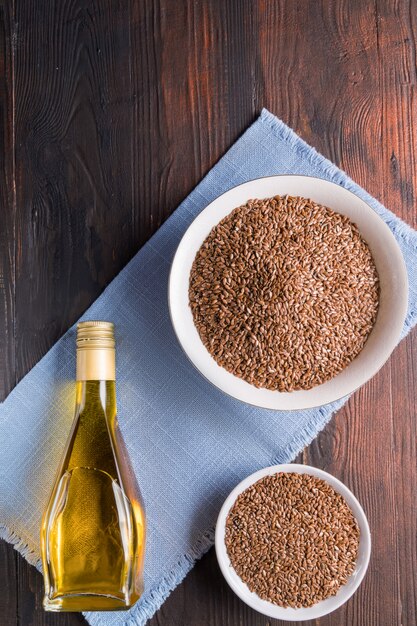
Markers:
<point>93,529</point>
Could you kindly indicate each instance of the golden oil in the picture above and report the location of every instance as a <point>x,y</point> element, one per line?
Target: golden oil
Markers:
<point>93,530</point>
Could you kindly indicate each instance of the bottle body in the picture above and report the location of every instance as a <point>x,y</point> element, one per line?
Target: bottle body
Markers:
<point>93,529</point>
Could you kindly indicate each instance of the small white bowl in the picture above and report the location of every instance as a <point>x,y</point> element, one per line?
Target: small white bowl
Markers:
<point>388,260</point>
<point>268,608</point>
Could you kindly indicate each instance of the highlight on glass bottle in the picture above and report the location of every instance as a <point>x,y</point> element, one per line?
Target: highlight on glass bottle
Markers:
<point>93,529</point>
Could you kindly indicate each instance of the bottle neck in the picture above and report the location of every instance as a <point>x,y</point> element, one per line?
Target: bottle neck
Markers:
<point>96,397</point>
<point>96,364</point>
<point>95,426</point>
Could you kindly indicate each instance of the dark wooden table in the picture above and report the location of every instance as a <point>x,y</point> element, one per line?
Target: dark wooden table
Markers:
<point>110,113</point>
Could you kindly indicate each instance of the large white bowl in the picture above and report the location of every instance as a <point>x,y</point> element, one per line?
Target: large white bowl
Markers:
<point>272,610</point>
<point>388,259</point>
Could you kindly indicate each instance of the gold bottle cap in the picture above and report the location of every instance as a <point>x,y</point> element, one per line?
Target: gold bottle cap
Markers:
<point>95,334</point>
<point>95,351</point>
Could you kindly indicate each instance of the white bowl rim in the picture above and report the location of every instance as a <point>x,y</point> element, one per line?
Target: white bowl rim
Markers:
<point>264,398</point>
<point>268,608</point>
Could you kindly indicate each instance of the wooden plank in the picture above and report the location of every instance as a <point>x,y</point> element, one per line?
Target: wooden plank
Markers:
<point>8,585</point>
<point>7,201</point>
<point>189,103</point>
<point>371,443</point>
<point>8,556</point>
<point>404,444</point>
<point>73,164</point>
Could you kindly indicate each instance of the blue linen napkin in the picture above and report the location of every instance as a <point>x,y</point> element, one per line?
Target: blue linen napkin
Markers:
<point>189,443</point>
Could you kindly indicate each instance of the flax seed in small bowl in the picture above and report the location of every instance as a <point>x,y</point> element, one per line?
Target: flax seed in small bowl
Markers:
<point>293,542</point>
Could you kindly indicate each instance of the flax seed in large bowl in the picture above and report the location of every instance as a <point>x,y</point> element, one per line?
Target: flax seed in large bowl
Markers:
<point>228,337</point>
<point>284,293</point>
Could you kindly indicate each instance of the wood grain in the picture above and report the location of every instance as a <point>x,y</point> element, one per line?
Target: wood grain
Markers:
<point>74,225</point>
<point>8,557</point>
<point>110,113</point>
<point>8,585</point>
<point>7,200</point>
